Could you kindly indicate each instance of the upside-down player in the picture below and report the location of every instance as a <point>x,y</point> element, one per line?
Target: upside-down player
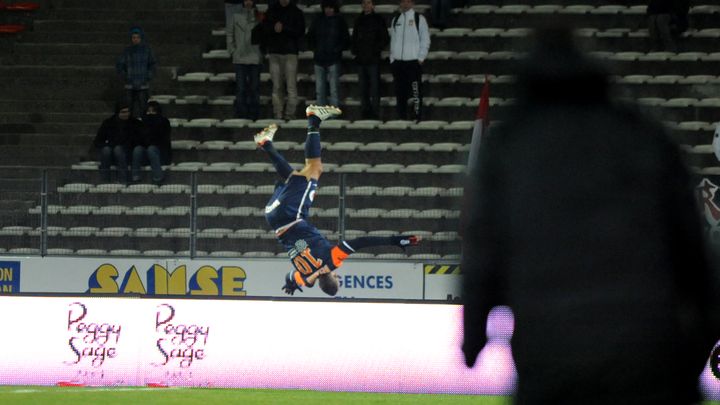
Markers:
<point>313,257</point>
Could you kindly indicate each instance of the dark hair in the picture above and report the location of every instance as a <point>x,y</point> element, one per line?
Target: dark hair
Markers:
<point>121,105</point>
<point>334,4</point>
<point>556,68</point>
<point>155,105</point>
<point>329,284</point>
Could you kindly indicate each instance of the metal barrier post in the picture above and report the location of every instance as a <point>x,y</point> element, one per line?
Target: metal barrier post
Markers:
<point>43,213</point>
<point>193,214</point>
<point>341,207</point>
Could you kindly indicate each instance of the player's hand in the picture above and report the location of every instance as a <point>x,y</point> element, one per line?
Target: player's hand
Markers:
<point>278,27</point>
<point>290,285</point>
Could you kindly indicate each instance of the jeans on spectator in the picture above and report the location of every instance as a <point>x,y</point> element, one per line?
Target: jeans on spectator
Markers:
<point>141,156</point>
<point>325,75</point>
<point>407,75</point>
<point>116,155</point>
<point>369,78</point>
<point>283,73</point>
<point>138,99</point>
<point>247,98</point>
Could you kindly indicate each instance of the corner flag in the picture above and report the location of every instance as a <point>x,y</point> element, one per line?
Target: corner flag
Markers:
<point>481,123</point>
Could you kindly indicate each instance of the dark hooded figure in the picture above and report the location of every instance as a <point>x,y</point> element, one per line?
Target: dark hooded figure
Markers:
<point>153,145</point>
<point>113,141</point>
<point>582,219</point>
<point>136,66</point>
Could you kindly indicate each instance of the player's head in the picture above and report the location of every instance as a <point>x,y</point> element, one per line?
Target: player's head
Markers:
<point>329,283</point>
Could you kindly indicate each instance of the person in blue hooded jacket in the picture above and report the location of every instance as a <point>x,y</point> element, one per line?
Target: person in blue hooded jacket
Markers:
<point>136,66</point>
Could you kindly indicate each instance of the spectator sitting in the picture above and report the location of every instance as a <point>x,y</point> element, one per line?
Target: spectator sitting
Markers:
<point>283,28</point>
<point>327,37</point>
<point>369,38</point>
<point>152,145</point>
<point>247,59</point>
<point>113,142</point>
<point>409,46</point>
<point>136,65</point>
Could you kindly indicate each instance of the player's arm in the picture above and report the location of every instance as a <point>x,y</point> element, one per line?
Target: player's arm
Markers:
<point>310,280</point>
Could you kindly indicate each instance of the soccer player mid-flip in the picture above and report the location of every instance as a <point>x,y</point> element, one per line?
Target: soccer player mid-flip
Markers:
<point>313,257</point>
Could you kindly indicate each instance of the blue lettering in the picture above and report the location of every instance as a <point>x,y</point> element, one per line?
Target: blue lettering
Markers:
<point>358,282</point>
<point>371,282</point>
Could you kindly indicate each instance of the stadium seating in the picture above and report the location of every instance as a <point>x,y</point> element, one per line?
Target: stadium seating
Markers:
<point>400,175</point>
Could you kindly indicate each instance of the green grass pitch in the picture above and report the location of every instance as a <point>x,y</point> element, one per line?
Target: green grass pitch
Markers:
<point>32,395</point>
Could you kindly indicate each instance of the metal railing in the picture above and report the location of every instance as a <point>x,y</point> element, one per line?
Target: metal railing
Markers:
<point>216,214</point>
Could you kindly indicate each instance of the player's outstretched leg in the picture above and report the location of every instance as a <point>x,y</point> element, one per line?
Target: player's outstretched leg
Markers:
<point>313,149</point>
<point>401,241</point>
<point>264,141</point>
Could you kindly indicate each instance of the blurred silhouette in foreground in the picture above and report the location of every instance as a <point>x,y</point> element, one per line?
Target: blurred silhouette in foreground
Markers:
<point>582,219</point>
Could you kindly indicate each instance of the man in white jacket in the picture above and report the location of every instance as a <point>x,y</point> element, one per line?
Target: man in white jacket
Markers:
<point>409,45</point>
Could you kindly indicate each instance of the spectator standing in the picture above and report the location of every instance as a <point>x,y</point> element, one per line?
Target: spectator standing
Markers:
<point>136,66</point>
<point>113,139</point>
<point>369,38</point>
<point>440,10</point>
<point>667,19</point>
<point>327,37</point>
<point>283,28</point>
<point>152,144</point>
<point>231,7</point>
<point>247,59</point>
<point>584,222</point>
<point>409,46</point>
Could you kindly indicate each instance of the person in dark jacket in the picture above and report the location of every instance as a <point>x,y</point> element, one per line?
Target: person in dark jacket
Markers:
<point>283,28</point>
<point>152,145</point>
<point>667,19</point>
<point>582,219</point>
<point>113,139</point>
<point>369,38</point>
<point>136,66</point>
<point>327,37</point>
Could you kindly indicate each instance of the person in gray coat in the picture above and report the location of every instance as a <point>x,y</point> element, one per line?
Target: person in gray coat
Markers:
<point>581,217</point>
<point>247,58</point>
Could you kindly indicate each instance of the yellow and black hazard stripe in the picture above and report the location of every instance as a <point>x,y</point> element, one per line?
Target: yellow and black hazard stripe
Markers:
<point>442,269</point>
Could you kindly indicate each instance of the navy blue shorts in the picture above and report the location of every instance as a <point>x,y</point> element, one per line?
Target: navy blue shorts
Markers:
<point>290,201</point>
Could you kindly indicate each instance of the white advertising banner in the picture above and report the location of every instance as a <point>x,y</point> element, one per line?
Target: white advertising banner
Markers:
<point>203,277</point>
<point>321,345</point>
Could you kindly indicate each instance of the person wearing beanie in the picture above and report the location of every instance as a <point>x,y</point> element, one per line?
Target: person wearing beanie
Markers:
<point>328,37</point>
<point>136,67</point>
